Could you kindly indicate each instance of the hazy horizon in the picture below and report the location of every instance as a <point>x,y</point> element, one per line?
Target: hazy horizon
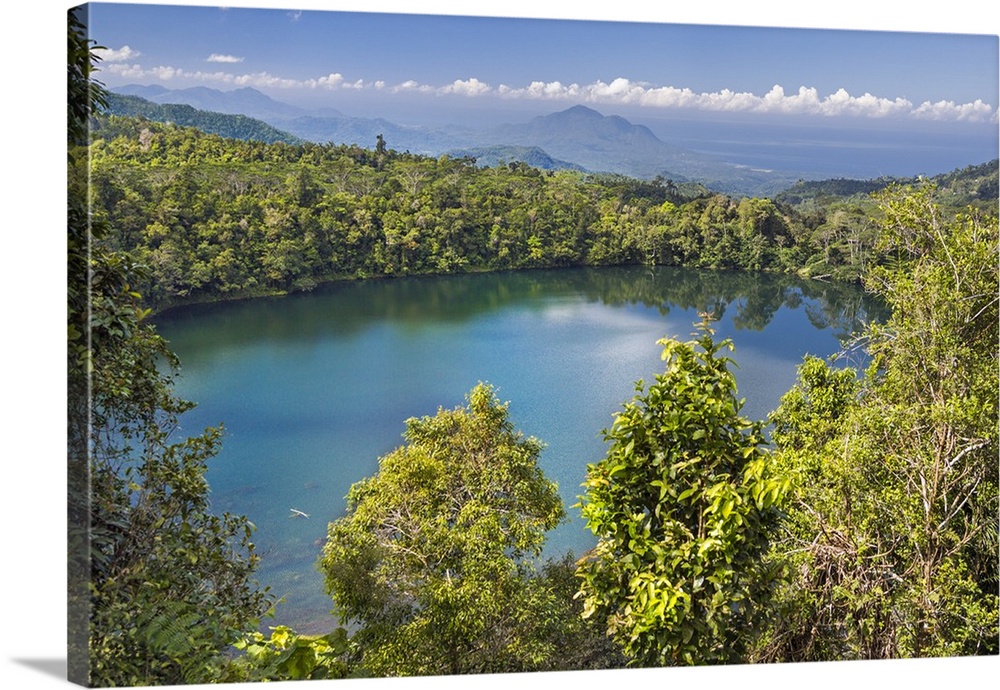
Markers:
<point>816,101</point>
<point>829,147</point>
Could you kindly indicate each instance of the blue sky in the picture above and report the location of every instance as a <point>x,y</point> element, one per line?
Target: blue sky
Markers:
<point>366,64</point>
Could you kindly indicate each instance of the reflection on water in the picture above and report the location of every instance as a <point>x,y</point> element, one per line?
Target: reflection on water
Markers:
<point>313,388</point>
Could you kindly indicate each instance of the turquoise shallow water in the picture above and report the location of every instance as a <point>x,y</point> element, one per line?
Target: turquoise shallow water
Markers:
<point>313,388</point>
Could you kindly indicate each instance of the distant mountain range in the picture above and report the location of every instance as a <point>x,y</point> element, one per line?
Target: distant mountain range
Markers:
<point>245,101</point>
<point>601,143</point>
<point>501,154</point>
<point>577,138</point>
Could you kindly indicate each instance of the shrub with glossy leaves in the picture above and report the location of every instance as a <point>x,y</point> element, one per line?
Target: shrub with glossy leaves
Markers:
<point>682,506</point>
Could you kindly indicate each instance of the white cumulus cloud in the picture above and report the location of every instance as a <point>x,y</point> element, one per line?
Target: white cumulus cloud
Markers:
<point>949,110</point>
<point>216,57</point>
<point>265,80</point>
<point>330,81</point>
<point>411,86</point>
<point>117,55</point>
<point>126,71</point>
<point>469,87</point>
<point>166,73</point>
<point>805,100</point>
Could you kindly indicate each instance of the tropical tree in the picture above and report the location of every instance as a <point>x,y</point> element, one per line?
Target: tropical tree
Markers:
<point>682,505</point>
<point>434,564</point>
<point>892,538</point>
<point>84,96</point>
<point>159,585</point>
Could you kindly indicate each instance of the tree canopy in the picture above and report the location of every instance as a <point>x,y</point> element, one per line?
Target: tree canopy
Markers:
<point>683,506</point>
<point>435,562</point>
<point>891,542</point>
<point>159,585</point>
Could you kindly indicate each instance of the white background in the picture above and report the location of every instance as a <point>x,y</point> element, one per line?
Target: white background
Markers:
<point>33,610</point>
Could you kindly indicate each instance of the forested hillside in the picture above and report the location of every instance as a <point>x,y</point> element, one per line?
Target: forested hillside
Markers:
<point>225,125</point>
<point>975,185</point>
<point>217,218</point>
<point>490,156</point>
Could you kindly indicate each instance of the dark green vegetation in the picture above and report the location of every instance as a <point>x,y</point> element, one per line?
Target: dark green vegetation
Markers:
<point>867,530</point>
<point>158,584</point>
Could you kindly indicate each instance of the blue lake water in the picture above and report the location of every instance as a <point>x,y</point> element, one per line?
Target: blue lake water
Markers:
<point>314,387</point>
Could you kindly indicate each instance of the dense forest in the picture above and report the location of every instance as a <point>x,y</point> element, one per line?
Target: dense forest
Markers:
<point>216,218</point>
<point>858,521</point>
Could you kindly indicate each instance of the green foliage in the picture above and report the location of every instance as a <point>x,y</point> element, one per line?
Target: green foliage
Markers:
<point>434,563</point>
<point>574,642</point>
<point>682,506</point>
<point>223,124</point>
<point>84,96</point>
<point>171,582</point>
<point>892,536</point>
<point>159,586</point>
<point>286,655</point>
<point>811,410</point>
<point>218,218</point>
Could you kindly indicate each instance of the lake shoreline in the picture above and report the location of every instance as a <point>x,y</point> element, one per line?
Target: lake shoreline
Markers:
<point>314,387</point>
<point>276,293</point>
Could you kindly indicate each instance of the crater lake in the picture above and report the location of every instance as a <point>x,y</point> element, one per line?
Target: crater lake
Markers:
<point>312,388</point>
